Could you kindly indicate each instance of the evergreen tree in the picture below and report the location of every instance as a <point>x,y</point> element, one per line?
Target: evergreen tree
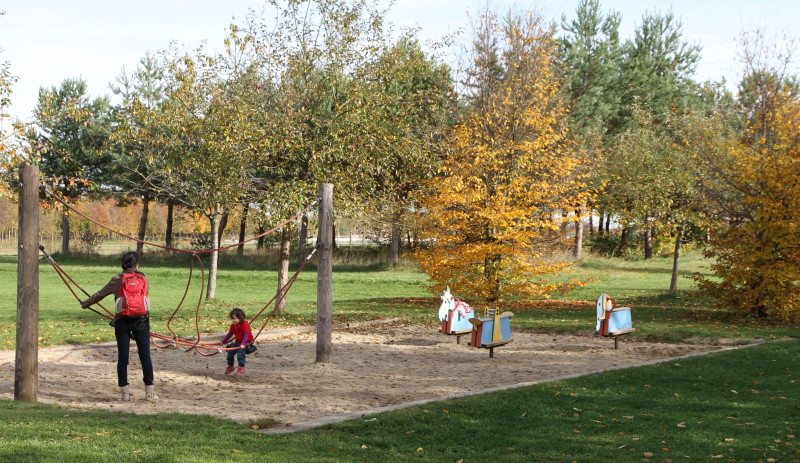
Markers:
<point>70,139</point>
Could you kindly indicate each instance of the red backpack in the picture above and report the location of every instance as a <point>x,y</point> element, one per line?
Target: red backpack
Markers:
<point>132,292</point>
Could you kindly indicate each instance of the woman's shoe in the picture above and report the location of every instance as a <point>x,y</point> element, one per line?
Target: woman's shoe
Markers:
<point>150,393</point>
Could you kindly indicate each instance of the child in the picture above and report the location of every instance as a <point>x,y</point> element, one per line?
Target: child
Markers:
<point>239,334</point>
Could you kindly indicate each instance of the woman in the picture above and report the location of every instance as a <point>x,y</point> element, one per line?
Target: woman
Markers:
<point>132,320</point>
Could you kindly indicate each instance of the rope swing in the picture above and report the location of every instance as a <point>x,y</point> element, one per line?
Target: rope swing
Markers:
<point>164,341</point>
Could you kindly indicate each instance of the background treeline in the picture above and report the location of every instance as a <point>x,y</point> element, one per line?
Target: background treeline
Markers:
<point>548,138</point>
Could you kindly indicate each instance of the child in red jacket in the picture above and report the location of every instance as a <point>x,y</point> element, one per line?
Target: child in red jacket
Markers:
<point>240,335</point>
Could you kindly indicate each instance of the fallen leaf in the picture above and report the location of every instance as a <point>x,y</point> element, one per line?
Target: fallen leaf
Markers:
<point>647,454</point>
<point>716,457</point>
<point>681,424</point>
<point>420,449</point>
<point>363,446</point>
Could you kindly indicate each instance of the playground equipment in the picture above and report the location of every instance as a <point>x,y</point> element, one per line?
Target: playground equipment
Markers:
<point>492,331</point>
<point>25,368</point>
<point>612,321</point>
<point>454,315</point>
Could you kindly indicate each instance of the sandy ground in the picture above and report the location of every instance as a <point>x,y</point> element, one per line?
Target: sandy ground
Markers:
<point>373,366</point>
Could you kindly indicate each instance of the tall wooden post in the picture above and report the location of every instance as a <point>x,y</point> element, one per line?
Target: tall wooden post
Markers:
<point>26,367</point>
<point>324,273</point>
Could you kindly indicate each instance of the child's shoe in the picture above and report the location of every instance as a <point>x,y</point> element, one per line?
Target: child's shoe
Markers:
<point>229,370</point>
<point>150,393</point>
<point>239,371</point>
<point>125,393</point>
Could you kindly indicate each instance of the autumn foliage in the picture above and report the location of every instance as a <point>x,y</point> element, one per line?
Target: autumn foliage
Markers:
<point>511,170</point>
<point>757,255</point>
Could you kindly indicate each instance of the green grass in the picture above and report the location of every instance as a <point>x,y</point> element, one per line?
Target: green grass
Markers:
<point>738,406</point>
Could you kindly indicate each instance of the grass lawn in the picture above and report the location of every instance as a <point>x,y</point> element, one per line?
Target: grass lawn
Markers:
<point>370,291</point>
<point>737,406</point>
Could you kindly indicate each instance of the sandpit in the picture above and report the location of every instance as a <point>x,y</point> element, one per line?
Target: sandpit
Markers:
<point>374,366</point>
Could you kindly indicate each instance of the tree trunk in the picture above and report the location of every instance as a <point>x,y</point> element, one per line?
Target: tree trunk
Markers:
<point>260,242</point>
<point>303,237</point>
<point>591,222</point>
<point>334,245</point>
<point>283,269</point>
<point>673,284</point>
<point>409,244</point>
<point>648,239</point>
<point>623,241</point>
<point>578,251</point>
<point>608,223</point>
<point>223,224</point>
<point>170,219</point>
<point>211,290</point>
<point>394,248</point>
<point>242,229</point>
<point>600,222</point>
<point>143,225</point>
<point>65,231</point>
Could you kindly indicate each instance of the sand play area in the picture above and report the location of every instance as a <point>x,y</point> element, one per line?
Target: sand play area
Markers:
<point>374,366</point>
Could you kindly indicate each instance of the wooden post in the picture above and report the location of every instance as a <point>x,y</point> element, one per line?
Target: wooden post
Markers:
<point>324,273</point>
<point>26,366</point>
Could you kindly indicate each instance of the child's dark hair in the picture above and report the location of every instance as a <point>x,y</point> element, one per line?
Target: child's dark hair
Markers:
<point>238,313</point>
<point>130,260</point>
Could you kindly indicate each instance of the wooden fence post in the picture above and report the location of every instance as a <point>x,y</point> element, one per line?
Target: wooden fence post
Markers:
<point>324,273</point>
<point>26,366</point>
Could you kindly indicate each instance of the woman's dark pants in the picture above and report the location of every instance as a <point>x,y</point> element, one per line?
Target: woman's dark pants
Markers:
<point>138,329</point>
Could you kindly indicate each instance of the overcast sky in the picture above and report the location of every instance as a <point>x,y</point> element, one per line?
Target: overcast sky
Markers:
<point>46,41</point>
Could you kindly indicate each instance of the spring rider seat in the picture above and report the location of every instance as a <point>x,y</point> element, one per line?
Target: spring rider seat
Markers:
<point>454,315</point>
<point>491,331</point>
<point>612,321</point>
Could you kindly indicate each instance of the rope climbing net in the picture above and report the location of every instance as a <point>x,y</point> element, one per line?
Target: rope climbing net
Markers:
<point>172,340</point>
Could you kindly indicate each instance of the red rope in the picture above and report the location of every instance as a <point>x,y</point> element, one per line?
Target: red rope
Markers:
<point>174,340</point>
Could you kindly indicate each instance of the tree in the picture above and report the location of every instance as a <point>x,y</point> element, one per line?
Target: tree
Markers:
<point>69,138</point>
<point>755,247</point>
<point>656,72</point>
<point>204,126</point>
<point>8,159</point>
<point>652,178</point>
<point>757,256</point>
<point>510,169</point>
<point>589,56</point>
<point>311,67</point>
<point>132,176</point>
<point>412,103</point>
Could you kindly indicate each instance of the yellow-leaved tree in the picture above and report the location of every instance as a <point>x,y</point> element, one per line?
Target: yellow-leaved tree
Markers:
<point>492,215</point>
<point>757,251</point>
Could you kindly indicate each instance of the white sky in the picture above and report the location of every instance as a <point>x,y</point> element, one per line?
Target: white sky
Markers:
<point>49,40</point>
